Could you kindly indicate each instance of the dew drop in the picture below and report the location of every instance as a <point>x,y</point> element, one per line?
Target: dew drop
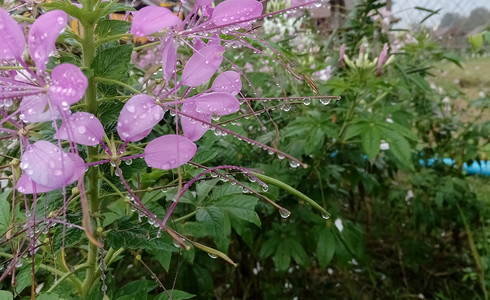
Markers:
<point>81,129</point>
<point>128,161</point>
<point>325,101</point>
<point>306,101</point>
<point>325,215</point>
<point>19,263</point>
<point>176,244</point>
<point>284,213</point>
<point>212,256</point>
<point>294,164</point>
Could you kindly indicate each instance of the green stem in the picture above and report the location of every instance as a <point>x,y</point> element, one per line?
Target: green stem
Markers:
<point>291,190</point>
<point>112,81</point>
<point>112,38</point>
<point>350,113</point>
<point>183,218</point>
<point>88,49</point>
<point>73,279</point>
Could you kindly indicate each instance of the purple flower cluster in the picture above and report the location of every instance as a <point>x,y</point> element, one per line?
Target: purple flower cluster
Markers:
<point>48,97</point>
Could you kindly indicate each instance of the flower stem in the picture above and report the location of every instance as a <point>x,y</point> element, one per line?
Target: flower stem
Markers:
<point>88,48</point>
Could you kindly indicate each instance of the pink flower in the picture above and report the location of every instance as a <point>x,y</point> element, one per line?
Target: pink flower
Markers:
<point>230,11</point>
<point>383,57</point>
<point>202,65</point>
<point>68,82</point>
<point>169,151</point>
<point>48,167</point>
<point>228,82</point>
<point>82,128</point>
<point>152,19</point>
<point>138,117</point>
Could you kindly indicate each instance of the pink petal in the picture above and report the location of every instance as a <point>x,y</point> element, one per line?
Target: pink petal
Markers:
<point>35,109</point>
<point>46,164</point>
<point>169,59</point>
<point>82,128</point>
<point>198,44</point>
<point>12,40</point>
<point>214,40</point>
<point>228,82</point>
<point>138,117</point>
<point>202,65</point>
<point>42,36</point>
<point>192,128</point>
<point>232,11</point>
<point>69,85</point>
<point>151,19</point>
<point>216,103</point>
<point>25,186</point>
<point>169,151</point>
<point>383,57</point>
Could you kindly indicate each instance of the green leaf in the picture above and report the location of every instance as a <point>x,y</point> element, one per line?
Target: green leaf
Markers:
<point>113,63</point>
<point>6,295</point>
<point>72,236</point>
<point>240,206</point>
<point>65,6</point>
<point>136,238</point>
<point>399,146</point>
<point>174,295</point>
<point>139,289</point>
<point>325,248</point>
<point>282,257</point>
<point>203,189</point>
<point>164,258</point>
<point>371,139</point>
<point>4,213</point>
<point>24,278</point>
<point>111,27</point>
<point>297,252</point>
<point>355,130</point>
<point>212,218</point>
<point>46,296</point>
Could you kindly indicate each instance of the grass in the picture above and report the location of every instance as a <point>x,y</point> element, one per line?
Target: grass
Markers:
<point>469,83</point>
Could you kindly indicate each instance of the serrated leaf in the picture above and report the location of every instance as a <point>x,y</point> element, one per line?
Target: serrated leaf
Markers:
<point>111,27</point>
<point>72,236</point>
<point>355,130</point>
<point>203,188</point>
<point>371,139</point>
<point>113,63</point>
<point>399,146</point>
<point>240,206</point>
<point>136,238</point>
<point>65,6</point>
<point>325,248</point>
<point>212,218</point>
<point>4,213</point>
<point>108,112</point>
